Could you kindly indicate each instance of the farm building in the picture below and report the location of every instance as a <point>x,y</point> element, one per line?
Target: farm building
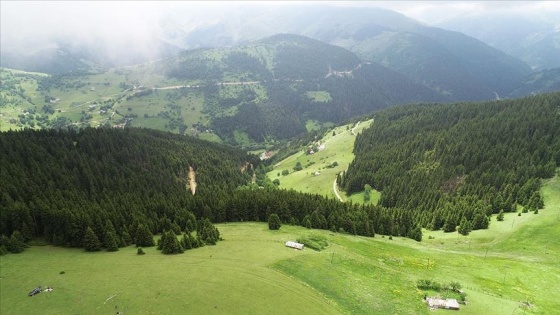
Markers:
<point>450,304</point>
<point>294,245</point>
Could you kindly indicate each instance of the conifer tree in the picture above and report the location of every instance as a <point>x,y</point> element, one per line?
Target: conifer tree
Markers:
<point>500,216</point>
<point>194,241</point>
<point>186,242</point>
<point>111,242</point>
<point>416,234</point>
<point>91,241</point>
<point>449,225</point>
<point>274,222</point>
<point>170,244</point>
<point>127,240</point>
<point>144,237</point>
<point>464,226</point>
<point>15,243</point>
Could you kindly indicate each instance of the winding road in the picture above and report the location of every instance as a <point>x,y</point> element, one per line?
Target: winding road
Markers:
<point>334,186</point>
<point>335,190</point>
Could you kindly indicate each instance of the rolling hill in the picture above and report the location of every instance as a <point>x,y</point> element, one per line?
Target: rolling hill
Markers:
<point>545,81</point>
<point>264,91</point>
<point>533,39</point>
<point>456,65</point>
<point>453,164</point>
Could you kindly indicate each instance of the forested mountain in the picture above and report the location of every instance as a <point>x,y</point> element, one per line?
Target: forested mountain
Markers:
<point>545,81</point>
<point>454,64</point>
<point>269,89</point>
<point>455,164</point>
<point>532,38</point>
<point>291,68</point>
<point>57,185</point>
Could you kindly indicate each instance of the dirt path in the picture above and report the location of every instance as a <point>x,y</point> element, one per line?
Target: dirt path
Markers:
<point>354,129</point>
<point>335,190</point>
<point>192,180</point>
<point>174,87</point>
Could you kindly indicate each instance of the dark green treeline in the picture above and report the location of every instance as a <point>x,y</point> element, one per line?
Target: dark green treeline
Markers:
<point>129,184</point>
<point>451,163</point>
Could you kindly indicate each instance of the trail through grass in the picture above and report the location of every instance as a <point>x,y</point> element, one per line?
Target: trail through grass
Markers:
<point>318,171</point>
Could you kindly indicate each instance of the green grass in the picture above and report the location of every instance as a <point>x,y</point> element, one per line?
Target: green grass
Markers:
<point>359,197</point>
<point>319,96</point>
<point>252,272</point>
<point>337,148</point>
<point>232,277</point>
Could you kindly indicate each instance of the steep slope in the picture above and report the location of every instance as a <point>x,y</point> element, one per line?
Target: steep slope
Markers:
<point>267,90</point>
<point>58,185</point>
<point>545,81</point>
<point>467,69</point>
<point>454,163</point>
<point>535,39</point>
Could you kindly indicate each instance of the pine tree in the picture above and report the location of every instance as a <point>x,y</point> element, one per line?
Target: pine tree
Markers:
<point>91,241</point>
<point>500,216</point>
<point>480,221</point>
<point>195,241</point>
<point>15,243</point>
<point>170,244</point>
<point>416,234</point>
<point>449,225</point>
<point>274,222</point>
<point>111,242</point>
<point>367,193</point>
<point>464,226</point>
<point>127,240</point>
<point>186,242</point>
<point>144,237</point>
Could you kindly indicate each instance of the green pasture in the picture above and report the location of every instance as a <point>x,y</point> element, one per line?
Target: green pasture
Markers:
<point>317,176</point>
<point>503,270</point>
<point>233,277</point>
<point>319,96</point>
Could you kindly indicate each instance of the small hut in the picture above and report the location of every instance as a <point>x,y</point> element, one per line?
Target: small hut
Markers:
<point>294,245</point>
<point>435,303</point>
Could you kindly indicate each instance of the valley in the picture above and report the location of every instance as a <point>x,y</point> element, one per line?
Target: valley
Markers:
<point>279,158</point>
<point>321,162</point>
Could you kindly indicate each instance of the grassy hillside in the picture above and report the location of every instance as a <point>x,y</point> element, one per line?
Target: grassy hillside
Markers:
<point>245,95</point>
<point>319,172</point>
<point>251,272</point>
<point>455,64</point>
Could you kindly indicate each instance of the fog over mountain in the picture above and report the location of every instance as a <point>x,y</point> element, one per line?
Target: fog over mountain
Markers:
<point>117,33</point>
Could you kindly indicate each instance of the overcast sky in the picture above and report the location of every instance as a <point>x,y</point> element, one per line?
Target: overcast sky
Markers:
<point>131,21</point>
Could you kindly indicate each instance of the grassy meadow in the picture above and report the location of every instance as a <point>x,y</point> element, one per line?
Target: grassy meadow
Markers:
<point>318,175</point>
<point>251,272</point>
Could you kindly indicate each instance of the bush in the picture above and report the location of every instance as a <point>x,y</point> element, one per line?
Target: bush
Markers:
<point>140,251</point>
<point>314,241</point>
<point>427,284</point>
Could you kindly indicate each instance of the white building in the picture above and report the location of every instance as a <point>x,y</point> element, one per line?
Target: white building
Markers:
<point>294,245</point>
